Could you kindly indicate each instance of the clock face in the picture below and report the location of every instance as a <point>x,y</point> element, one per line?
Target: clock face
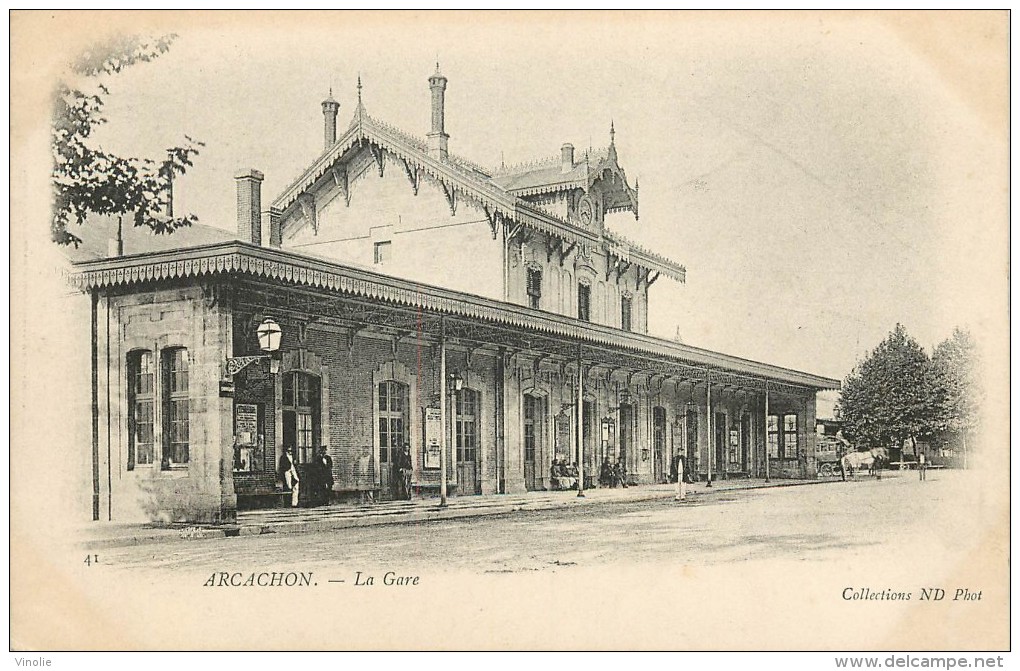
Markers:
<point>586,211</point>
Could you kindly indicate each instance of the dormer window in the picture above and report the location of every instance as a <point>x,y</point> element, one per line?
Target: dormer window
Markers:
<point>625,313</point>
<point>383,250</point>
<point>534,287</point>
<point>584,302</point>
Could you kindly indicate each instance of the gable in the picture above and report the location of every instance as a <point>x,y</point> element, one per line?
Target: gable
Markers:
<point>372,190</point>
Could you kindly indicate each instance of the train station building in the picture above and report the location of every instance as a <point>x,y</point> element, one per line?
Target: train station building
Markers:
<point>489,318</point>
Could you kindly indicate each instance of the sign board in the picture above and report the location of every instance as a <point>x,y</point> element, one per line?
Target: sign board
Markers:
<point>433,437</point>
<point>226,388</point>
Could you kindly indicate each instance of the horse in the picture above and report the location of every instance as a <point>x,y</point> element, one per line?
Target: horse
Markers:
<point>871,459</point>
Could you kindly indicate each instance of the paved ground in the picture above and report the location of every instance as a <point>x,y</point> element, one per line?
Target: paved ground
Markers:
<point>810,523</point>
<point>735,569</point>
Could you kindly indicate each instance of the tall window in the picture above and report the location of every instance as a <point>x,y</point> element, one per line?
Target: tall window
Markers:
<point>782,431</point>
<point>141,396</point>
<point>383,250</point>
<point>534,287</point>
<point>789,436</point>
<point>692,439</point>
<point>392,421</point>
<point>467,424</point>
<point>625,309</point>
<point>301,412</point>
<point>584,302</point>
<point>659,429</point>
<point>175,407</point>
<point>530,426</point>
<point>773,433</point>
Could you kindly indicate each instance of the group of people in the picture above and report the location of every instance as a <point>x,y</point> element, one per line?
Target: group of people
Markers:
<point>613,473</point>
<point>563,475</point>
<point>318,474</point>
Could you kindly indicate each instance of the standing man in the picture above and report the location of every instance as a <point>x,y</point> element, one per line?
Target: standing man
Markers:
<point>681,485</point>
<point>922,466</point>
<point>288,475</point>
<point>326,468</point>
<point>406,466</point>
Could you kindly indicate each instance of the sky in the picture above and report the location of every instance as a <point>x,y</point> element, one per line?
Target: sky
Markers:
<point>822,176</point>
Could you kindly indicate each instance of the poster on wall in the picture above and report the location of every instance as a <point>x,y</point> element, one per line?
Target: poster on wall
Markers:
<point>433,434</point>
<point>246,423</point>
<point>247,440</point>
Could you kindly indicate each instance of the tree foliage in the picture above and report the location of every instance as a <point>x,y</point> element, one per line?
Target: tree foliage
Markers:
<point>87,178</point>
<point>957,393</point>
<point>886,399</point>
<point>899,393</point>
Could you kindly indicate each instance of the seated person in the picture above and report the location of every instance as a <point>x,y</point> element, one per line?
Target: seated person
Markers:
<point>606,473</point>
<point>620,474</point>
<point>556,475</point>
<point>568,477</point>
<point>574,474</point>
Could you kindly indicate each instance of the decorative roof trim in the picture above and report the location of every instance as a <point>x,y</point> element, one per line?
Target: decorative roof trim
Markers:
<point>238,258</point>
<point>455,175</point>
<point>620,246</point>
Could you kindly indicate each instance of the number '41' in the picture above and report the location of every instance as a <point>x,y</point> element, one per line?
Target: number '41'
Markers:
<point>91,559</point>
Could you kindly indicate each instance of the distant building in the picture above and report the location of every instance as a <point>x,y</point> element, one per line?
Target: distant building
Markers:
<point>490,314</point>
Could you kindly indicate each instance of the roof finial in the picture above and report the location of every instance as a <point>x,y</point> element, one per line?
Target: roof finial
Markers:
<point>359,89</point>
<point>612,132</point>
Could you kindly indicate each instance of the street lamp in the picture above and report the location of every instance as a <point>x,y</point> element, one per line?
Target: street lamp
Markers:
<point>269,334</point>
<point>456,382</point>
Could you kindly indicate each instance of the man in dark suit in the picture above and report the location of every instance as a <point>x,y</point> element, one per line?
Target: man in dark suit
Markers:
<point>325,465</point>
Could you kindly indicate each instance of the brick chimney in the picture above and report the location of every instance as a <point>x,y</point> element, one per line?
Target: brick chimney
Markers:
<point>567,157</point>
<point>437,137</point>
<point>249,206</point>
<point>275,215</point>
<point>330,108</point>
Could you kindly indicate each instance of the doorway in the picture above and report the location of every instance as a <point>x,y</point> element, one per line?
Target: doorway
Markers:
<point>659,456</point>
<point>534,411</point>
<point>466,417</point>
<point>720,443</point>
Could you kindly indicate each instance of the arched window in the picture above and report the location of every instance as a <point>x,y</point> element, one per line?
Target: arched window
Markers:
<point>176,408</point>
<point>301,414</point>
<point>141,397</point>
<point>392,419</point>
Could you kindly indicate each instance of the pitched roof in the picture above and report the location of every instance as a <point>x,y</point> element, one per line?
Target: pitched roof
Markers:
<point>99,230</point>
<point>500,195</point>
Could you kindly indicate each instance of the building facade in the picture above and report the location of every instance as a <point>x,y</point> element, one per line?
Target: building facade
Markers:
<point>487,318</point>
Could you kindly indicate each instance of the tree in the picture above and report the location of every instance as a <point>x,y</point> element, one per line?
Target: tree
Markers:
<point>887,398</point>
<point>956,391</point>
<point>87,179</point>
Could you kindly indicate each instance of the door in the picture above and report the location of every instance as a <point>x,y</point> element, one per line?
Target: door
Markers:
<point>301,417</point>
<point>466,417</point>
<point>533,412</point>
<point>392,418</point>
<point>626,437</point>
<point>745,441</point>
<point>720,443</point>
<point>588,457</point>
<point>692,464</point>
<point>659,456</point>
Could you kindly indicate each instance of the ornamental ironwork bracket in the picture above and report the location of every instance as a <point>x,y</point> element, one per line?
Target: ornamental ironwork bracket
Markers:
<point>236,364</point>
